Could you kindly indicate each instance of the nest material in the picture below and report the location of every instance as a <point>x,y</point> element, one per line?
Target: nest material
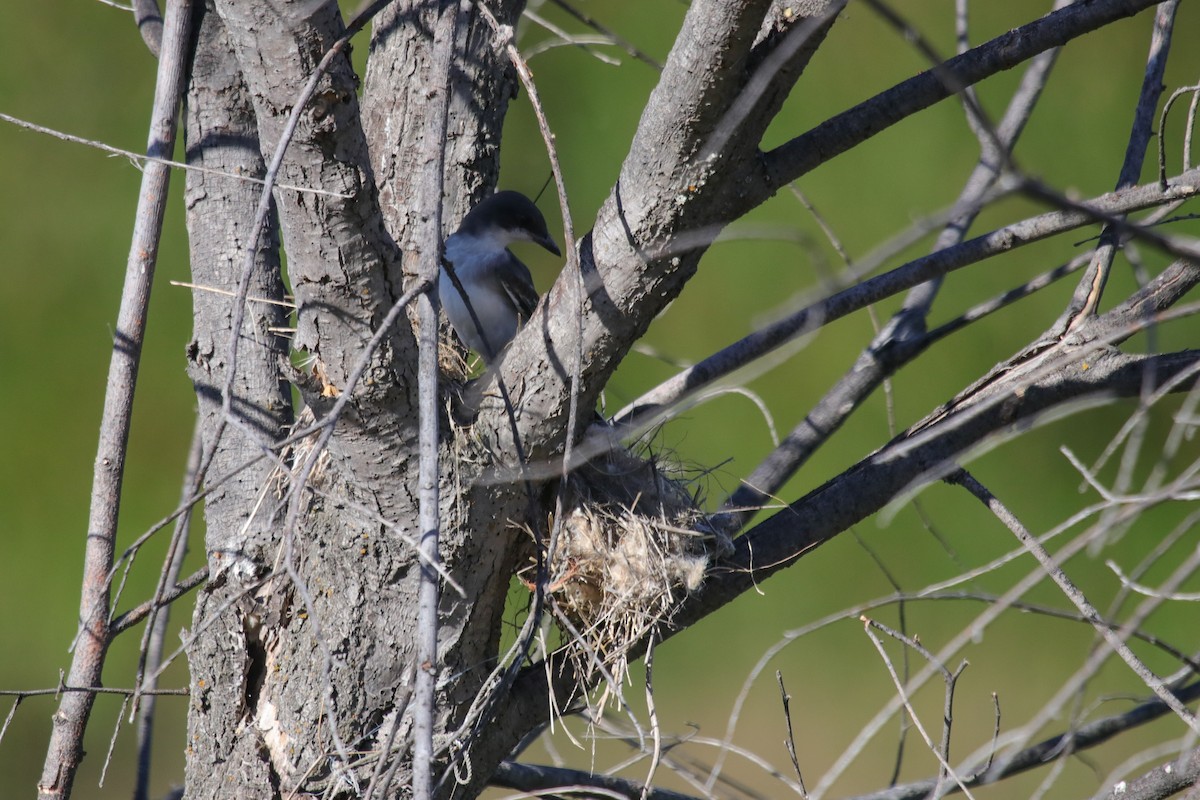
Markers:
<point>292,458</point>
<point>630,550</point>
<point>633,545</point>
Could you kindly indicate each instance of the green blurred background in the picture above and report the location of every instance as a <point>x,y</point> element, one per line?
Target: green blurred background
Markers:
<point>66,223</point>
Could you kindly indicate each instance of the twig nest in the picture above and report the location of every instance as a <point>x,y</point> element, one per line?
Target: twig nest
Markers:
<point>631,548</point>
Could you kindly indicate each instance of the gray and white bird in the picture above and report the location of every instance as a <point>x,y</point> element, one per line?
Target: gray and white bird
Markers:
<point>499,286</point>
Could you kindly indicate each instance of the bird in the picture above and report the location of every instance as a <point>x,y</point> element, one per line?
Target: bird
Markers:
<point>498,286</point>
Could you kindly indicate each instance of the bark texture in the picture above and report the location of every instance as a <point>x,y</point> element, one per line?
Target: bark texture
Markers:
<point>305,650</point>
<point>226,655</point>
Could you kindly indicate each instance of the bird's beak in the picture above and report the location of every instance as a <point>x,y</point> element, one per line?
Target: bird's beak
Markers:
<point>550,245</point>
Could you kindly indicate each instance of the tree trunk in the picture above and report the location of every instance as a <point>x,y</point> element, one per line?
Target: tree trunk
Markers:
<point>303,648</point>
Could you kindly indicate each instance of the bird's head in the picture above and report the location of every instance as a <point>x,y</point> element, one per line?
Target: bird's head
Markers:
<point>509,217</point>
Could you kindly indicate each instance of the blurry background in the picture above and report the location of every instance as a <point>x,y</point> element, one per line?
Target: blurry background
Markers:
<point>65,223</point>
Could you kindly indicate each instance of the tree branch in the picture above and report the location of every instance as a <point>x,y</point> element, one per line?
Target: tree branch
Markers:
<point>1114,638</point>
<point>905,336</point>
<point>1086,736</point>
<point>1091,286</point>
<point>343,265</point>
<point>536,778</point>
<point>65,749</point>
<point>926,452</point>
<point>1161,782</point>
<point>904,277</point>
<point>429,666</point>
<point>835,136</point>
<point>669,184</point>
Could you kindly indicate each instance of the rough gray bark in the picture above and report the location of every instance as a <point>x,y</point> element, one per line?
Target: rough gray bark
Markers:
<point>273,662</point>
<point>394,116</point>
<point>226,655</point>
<point>679,186</point>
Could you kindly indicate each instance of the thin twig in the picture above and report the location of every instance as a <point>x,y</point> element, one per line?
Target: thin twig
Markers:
<point>694,770</point>
<point>151,651</point>
<point>987,767</point>
<point>544,781</point>
<point>1077,597</point>
<point>133,616</point>
<point>8,718</point>
<point>142,160</point>
<point>1087,295</point>
<point>288,304</point>
<point>428,666</point>
<point>616,38</point>
<point>981,310</point>
<point>112,742</point>
<point>941,753</point>
<point>65,748</point>
<point>566,39</point>
<point>790,741</point>
<point>403,696</point>
<point>21,694</point>
<point>652,712</point>
<point>1162,130</point>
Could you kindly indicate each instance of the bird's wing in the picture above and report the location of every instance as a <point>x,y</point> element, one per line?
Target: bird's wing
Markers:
<point>518,285</point>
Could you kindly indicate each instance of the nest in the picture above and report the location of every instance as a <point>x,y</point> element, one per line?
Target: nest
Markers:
<point>292,458</point>
<point>632,546</point>
<point>630,549</point>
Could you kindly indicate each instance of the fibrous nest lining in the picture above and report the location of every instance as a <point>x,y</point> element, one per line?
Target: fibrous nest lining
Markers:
<point>631,548</point>
<point>293,458</point>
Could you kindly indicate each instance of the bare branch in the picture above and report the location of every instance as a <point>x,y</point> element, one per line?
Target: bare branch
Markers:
<point>429,667</point>
<point>1164,781</point>
<point>942,752</point>
<point>1087,295</point>
<point>615,37</point>
<point>630,269</point>
<point>904,337</point>
<point>904,277</point>
<point>65,749</point>
<point>1086,736</point>
<point>536,778</point>
<point>790,741</point>
<point>1077,597</point>
<point>154,638</point>
<point>132,617</point>
<point>841,133</point>
<point>92,690</point>
<point>140,160</point>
